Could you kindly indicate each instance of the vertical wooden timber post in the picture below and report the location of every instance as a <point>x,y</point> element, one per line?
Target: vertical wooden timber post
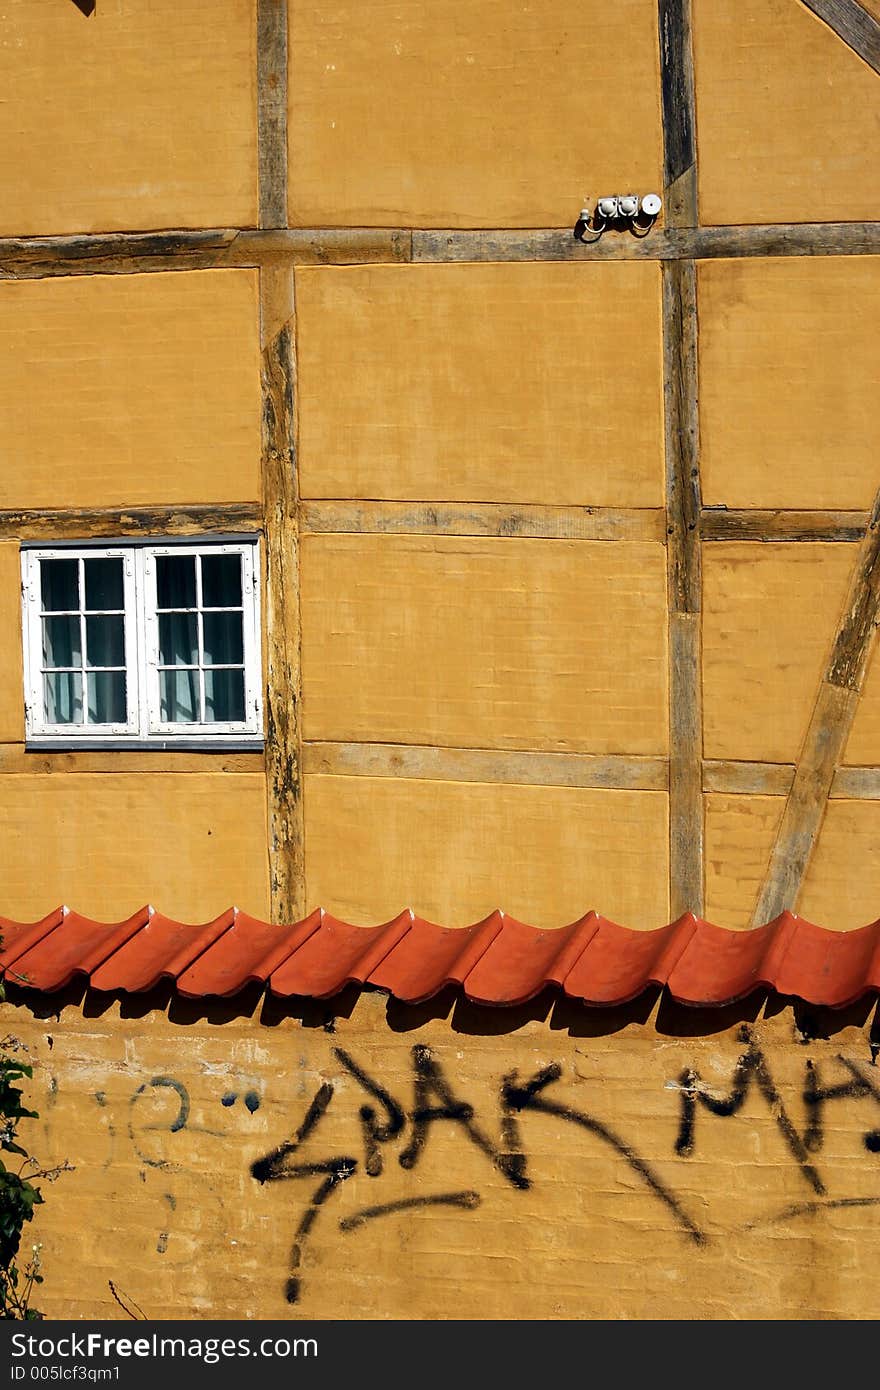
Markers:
<point>682,445</point>
<point>280,485</point>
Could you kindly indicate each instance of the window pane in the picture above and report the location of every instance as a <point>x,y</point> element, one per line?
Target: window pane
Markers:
<point>106,697</point>
<point>61,642</point>
<point>178,639</point>
<point>105,641</point>
<point>104,584</point>
<point>223,641</point>
<point>224,696</point>
<point>62,697</point>
<point>221,581</point>
<point>179,697</point>
<point>175,581</point>
<point>59,584</point>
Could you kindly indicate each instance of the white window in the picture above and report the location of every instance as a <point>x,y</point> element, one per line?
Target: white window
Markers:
<point>152,644</point>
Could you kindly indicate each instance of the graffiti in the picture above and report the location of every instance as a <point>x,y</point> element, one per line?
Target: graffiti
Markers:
<point>752,1067</point>
<point>250,1098</point>
<point>399,1129</point>
<point>177,1122</point>
<point>435,1102</point>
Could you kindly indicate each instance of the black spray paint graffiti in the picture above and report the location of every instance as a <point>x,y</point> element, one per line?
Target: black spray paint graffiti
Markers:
<point>434,1101</point>
<point>383,1118</point>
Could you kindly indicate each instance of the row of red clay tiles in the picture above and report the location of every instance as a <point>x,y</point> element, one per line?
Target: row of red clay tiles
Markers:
<point>498,961</point>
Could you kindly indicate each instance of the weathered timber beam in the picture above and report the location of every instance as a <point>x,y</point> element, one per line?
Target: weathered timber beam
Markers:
<point>719,524</point>
<point>485,765</point>
<point>14,759</point>
<point>856,784</point>
<point>684,588</point>
<point>483,519</point>
<point>826,737</point>
<point>852,23</point>
<point>282,608</point>
<point>272,111</point>
<point>733,778</point>
<point>127,253</point>
<point>786,239</point>
<point>775,779</point>
<point>101,522</point>
<point>678,112</point>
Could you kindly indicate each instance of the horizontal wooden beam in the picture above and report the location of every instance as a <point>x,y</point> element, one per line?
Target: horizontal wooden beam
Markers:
<point>719,524</point>
<point>661,244</point>
<point>484,519</point>
<point>775,779</point>
<point>856,784</point>
<point>96,523</point>
<point>15,760</point>
<point>117,253</point>
<point>733,778</point>
<point>127,253</point>
<point>486,765</point>
<point>851,22</point>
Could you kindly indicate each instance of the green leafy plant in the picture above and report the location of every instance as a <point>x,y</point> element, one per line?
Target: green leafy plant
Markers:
<point>19,1193</point>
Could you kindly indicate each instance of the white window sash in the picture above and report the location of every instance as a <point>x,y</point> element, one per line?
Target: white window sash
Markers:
<point>143,722</point>
<point>32,624</point>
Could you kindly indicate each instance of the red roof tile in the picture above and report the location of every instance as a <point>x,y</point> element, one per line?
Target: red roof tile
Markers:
<point>497,961</point>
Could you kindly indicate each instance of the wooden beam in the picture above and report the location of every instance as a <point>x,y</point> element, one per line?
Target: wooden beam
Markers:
<point>485,765</point>
<point>483,519</point>
<point>94,523</point>
<point>747,778</point>
<point>719,524</point>
<point>282,609</point>
<point>272,111</point>
<point>852,23</point>
<point>684,588</point>
<point>776,779</point>
<point>14,759</point>
<point>856,784</point>
<point>786,239</point>
<point>829,727</point>
<point>129,253</point>
<point>678,112</point>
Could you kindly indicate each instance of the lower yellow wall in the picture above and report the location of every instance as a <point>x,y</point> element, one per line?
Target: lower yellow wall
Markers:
<point>605,1213</point>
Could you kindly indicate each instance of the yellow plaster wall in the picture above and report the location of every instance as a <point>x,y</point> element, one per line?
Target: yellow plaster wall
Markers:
<point>11,677</point>
<point>434,113</point>
<point>485,643</point>
<point>789,367</point>
<point>785,115</point>
<point>139,116</point>
<point>841,889</point>
<point>770,613</point>
<point>492,383</point>
<point>740,832</point>
<point>456,851</point>
<point>170,1212</point>
<point>842,885</point>
<point>106,843</point>
<point>126,390</point>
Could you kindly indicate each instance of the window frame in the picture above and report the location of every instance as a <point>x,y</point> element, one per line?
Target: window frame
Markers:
<point>144,727</point>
